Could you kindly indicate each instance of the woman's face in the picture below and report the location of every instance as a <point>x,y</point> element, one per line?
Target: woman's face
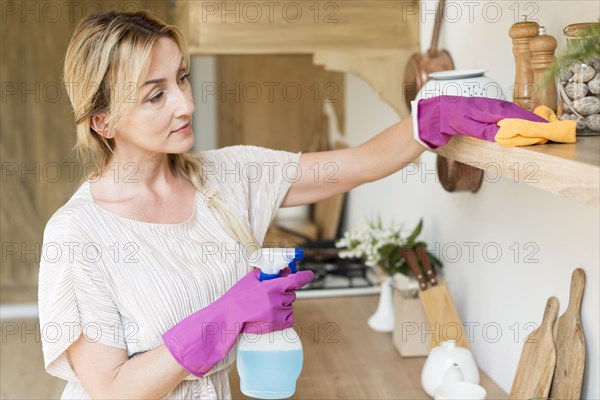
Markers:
<point>165,105</point>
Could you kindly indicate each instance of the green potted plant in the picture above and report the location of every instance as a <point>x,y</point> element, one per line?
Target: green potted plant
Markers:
<point>379,247</point>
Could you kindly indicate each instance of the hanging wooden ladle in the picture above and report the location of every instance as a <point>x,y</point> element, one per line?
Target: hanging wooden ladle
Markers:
<point>454,176</point>
<point>420,65</point>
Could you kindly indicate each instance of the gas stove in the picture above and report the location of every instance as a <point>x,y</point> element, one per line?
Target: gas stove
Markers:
<point>338,277</point>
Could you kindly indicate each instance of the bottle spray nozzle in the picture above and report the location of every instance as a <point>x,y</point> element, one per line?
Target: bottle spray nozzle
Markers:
<point>272,260</point>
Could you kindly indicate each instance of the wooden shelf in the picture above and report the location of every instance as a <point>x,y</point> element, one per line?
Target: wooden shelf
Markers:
<point>568,170</point>
<point>345,359</point>
<point>374,43</point>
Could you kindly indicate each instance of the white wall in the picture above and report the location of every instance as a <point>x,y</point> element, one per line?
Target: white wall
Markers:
<point>553,233</point>
<point>487,289</point>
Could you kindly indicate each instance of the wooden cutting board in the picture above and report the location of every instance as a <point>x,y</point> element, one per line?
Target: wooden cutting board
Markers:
<point>538,359</point>
<point>570,344</point>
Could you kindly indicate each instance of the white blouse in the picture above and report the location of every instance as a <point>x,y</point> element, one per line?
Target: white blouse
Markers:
<point>124,283</point>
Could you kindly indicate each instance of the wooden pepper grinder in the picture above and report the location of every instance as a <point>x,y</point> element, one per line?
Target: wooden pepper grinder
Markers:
<point>542,55</point>
<point>521,34</point>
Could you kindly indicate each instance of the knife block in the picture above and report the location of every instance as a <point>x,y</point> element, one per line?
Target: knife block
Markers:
<point>410,326</point>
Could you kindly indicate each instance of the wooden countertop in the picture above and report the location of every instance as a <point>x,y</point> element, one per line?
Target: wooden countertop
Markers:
<point>345,359</point>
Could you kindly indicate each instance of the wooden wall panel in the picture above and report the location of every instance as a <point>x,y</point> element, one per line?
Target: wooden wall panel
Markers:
<point>276,101</point>
<point>37,131</point>
<point>289,117</point>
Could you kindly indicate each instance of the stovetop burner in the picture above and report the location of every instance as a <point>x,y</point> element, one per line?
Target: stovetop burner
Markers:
<point>335,276</point>
<point>341,274</point>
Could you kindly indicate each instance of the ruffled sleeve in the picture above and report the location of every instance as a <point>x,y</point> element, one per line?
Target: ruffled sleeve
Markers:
<point>73,297</point>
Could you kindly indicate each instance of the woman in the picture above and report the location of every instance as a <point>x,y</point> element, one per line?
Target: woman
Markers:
<point>154,235</point>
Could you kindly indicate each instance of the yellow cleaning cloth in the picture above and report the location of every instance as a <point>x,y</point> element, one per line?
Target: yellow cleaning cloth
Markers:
<point>520,132</point>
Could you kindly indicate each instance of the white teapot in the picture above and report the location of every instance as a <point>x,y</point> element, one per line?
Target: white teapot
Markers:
<point>448,363</point>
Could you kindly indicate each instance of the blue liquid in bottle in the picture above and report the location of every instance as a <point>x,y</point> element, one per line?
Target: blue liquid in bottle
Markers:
<point>269,372</point>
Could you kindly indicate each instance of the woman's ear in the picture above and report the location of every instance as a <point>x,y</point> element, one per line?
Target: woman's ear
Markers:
<point>99,124</point>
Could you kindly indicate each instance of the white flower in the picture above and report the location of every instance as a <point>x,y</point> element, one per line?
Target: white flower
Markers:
<point>366,240</point>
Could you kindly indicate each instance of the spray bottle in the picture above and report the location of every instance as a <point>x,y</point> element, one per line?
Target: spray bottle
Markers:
<point>269,364</point>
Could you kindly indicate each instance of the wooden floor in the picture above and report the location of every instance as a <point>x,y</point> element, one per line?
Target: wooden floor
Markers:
<point>343,358</point>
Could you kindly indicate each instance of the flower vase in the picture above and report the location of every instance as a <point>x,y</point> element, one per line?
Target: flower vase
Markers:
<point>383,319</point>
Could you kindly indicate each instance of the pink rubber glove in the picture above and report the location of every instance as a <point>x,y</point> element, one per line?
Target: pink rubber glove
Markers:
<point>437,119</point>
<point>205,337</point>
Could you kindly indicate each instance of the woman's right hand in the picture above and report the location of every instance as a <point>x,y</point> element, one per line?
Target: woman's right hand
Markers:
<point>268,302</point>
<point>205,337</point>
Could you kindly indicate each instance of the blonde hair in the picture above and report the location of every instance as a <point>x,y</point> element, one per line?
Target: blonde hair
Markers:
<point>111,50</point>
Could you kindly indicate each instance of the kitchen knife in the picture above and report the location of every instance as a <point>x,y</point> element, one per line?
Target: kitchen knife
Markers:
<point>413,263</point>
<point>431,278</point>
